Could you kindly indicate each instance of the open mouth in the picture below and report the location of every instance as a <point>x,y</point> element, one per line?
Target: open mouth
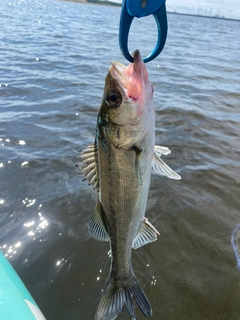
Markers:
<point>133,77</point>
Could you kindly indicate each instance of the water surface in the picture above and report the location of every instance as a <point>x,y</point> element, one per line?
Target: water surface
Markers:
<point>54,58</point>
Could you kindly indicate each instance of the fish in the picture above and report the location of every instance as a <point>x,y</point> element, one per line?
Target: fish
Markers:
<point>118,165</point>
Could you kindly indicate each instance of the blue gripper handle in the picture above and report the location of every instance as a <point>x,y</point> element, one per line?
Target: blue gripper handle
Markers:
<point>138,9</point>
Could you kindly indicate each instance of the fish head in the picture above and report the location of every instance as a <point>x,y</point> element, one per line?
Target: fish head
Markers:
<point>127,102</point>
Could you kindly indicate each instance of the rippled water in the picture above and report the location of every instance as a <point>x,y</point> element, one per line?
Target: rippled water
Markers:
<point>54,58</point>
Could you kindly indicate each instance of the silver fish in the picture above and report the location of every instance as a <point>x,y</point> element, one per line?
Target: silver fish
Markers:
<point>118,165</point>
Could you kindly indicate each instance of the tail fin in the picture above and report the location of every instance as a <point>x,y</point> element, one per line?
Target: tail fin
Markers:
<point>114,298</point>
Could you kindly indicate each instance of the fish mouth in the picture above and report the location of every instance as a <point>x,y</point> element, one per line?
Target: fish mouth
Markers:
<point>132,78</point>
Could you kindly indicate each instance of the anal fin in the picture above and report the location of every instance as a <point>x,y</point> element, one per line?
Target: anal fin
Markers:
<point>96,226</point>
<point>146,234</point>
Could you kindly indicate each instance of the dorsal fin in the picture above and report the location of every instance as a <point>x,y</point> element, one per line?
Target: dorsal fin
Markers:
<point>88,165</point>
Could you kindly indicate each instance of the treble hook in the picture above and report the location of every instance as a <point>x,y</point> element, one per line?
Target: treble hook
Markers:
<point>138,9</point>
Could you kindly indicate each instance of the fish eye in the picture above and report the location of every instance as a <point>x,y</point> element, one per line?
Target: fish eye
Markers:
<point>114,98</point>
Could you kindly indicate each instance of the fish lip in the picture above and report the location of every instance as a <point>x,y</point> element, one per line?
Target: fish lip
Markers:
<point>117,68</point>
<point>123,74</point>
<point>138,61</point>
<point>134,82</point>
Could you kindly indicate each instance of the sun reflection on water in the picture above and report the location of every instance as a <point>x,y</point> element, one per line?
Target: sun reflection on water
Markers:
<point>11,250</point>
<point>154,281</point>
<point>32,229</point>
<point>28,202</point>
<point>22,142</point>
<point>60,262</point>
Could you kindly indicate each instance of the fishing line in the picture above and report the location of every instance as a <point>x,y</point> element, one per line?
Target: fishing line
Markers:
<point>235,244</point>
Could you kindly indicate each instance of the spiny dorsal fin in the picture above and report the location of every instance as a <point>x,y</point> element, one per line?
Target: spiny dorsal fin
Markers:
<point>146,234</point>
<point>159,167</point>
<point>96,226</point>
<point>88,165</point>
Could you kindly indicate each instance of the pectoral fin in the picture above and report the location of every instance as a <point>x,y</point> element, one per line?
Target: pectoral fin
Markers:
<point>146,234</point>
<point>96,226</point>
<point>159,167</point>
<point>137,167</point>
<point>159,150</point>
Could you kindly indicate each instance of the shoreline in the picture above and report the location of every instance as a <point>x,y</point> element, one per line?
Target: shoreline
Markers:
<point>100,2</point>
<point>115,4</point>
<point>201,16</point>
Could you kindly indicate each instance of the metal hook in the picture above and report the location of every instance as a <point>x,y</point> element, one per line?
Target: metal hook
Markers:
<point>127,15</point>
